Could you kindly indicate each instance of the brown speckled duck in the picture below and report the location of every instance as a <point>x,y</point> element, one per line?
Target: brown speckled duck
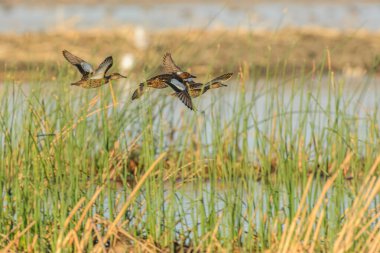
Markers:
<point>92,78</point>
<point>174,78</point>
<point>197,89</point>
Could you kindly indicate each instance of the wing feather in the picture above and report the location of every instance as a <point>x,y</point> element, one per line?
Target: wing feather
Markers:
<point>221,78</point>
<point>84,67</point>
<point>138,92</point>
<point>169,65</point>
<point>185,98</point>
<point>103,68</point>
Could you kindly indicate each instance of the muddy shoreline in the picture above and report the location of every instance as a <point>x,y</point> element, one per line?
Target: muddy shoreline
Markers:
<point>355,53</point>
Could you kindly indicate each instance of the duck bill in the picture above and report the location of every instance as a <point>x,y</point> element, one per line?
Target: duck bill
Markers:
<point>192,76</point>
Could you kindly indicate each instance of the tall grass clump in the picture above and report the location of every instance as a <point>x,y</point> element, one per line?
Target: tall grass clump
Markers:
<point>283,163</point>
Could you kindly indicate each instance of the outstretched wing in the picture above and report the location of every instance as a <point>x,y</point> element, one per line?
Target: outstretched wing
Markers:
<point>138,92</point>
<point>84,67</point>
<point>103,68</point>
<point>221,78</point>
<point>169,65</point>
<point>185,98</point>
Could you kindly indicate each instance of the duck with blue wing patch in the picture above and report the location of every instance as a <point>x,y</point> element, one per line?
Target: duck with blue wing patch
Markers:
<point>92,78</point>
<point>174,78</point>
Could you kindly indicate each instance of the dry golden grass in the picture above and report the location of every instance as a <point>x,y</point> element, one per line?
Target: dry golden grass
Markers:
<point>353,53</point>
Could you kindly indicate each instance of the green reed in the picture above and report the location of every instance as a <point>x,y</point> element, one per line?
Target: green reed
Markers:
<point>233,176</point>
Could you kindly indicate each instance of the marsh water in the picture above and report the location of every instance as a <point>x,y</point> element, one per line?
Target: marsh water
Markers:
<point>312,102</point>
<point>352,16</point>
<point>238,204</point>
<point>248,202</point>
<point>242,203</point>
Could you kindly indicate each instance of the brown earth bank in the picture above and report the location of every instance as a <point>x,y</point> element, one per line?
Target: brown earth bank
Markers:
<point>207,52</point>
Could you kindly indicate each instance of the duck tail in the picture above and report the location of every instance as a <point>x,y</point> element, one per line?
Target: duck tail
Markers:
<point>138,92</point>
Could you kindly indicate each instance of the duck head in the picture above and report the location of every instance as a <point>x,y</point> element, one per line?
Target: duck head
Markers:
<point>186,76</point>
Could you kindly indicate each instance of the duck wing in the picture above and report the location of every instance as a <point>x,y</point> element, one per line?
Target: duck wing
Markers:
<point>181,92</point>
<point>169,65</point>
<point>138,92</point>
<point>185,98</point>
<point>103,68</point>
<point>221,78</point>
<point>84,67</point>
<point>176,84</point>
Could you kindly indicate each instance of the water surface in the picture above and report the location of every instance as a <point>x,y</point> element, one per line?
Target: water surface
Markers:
<point>271,16</point>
